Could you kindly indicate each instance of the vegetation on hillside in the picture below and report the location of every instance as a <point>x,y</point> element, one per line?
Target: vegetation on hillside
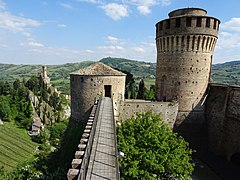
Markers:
<point>59,74</point>
<point>227,73</point>
<point>15,104</point>
<point>138,69</point>
<point>15,146</point>
<point>52,157</point>
<point>151,150</point>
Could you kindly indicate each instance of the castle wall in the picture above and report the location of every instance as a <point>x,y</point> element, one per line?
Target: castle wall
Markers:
<point>86,89</point>
<point>185,44</point>
<point>167,110</point>
<point>223,120</point>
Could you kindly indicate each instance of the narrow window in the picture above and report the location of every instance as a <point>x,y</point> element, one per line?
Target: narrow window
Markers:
<point>182,44</point>
<point>193,43</point>
<point>188,41</point>
<point>167,43</point>
<point>167,23</point>
<point>203,42</point>
<point>215,24</point>
<point>199,21</point>
<point>198,42</point>
<point>188,21</point>
<point>208,22</point>
<point>164,48</point>
<point>161,26</point>
<point>177,21</point>
<point>177,43</point>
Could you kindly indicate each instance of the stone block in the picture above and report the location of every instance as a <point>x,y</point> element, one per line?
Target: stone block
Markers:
<point>79,154</point>
<point>84,140</point>
<point>85,135</point>
<point>72,174</point>
<point>82,146</point>
<point>88,127</point>
<point>76,163</point>
<point>89,123</point>
<point>86,131</point>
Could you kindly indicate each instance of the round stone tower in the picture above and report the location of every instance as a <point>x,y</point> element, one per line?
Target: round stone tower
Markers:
<point>185,44</point>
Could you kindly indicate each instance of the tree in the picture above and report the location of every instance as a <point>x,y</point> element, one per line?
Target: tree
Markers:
<point>150,94</point>
<point>152,150</point>
<point>5,109</point>
<point>141,90</point>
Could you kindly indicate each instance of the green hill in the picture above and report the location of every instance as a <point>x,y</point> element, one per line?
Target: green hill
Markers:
<point>59,74</point>
<point>228,73</point>
<point>137,68</point>
<point>221,73</point>
<point>16,146</point>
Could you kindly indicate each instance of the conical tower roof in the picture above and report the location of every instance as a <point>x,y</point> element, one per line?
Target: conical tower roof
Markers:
<point>98,69</point>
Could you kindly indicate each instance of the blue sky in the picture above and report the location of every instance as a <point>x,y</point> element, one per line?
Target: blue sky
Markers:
<point>57,32</point>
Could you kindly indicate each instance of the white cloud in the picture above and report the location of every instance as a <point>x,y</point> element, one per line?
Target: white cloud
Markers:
<point>228,43</point>
<point>115,11</point>
<point>2,5</point>
<point>166,2</point>
<point>112,39</point>
<point>231,25</point>
<point>66,5</point>
<point>89,51</point>
<point>16,23</point>
<point>111,47</point>
<point>144,6</point>
<point>35,44</point>
<point>3,45</point>
<point>91,1</point>
<point>138,49</point>
<point>144,9</point>
<point>35,50</point>
<point>62,25</point>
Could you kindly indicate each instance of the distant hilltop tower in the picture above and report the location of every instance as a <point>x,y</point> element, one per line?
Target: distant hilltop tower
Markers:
<point>185,45</point>
<point>44,74</point>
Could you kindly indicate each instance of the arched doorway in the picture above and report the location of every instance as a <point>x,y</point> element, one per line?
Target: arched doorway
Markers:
<point>108,90</point>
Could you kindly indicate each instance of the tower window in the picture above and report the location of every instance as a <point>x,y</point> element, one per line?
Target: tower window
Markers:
<point>177,22</point>
<point>160,26</point>
<point>167,23</point>
<point>215,24</point>
<point>199,21</point>
<point>208,22</point>
<point>188,21</point>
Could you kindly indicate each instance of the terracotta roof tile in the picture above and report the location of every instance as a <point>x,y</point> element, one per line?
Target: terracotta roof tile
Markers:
<point>98,69</point>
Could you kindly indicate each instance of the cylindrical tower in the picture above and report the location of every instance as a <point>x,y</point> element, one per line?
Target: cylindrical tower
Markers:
<point>92,82</point>
<point>185,44</point>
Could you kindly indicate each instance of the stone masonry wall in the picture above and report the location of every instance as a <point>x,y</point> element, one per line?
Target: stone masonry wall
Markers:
<point>85,90</point>
<point>168,110</point>
<point>223,120</point>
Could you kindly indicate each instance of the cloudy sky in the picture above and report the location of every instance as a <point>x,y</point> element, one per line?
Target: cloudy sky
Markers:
<point>63,31</point>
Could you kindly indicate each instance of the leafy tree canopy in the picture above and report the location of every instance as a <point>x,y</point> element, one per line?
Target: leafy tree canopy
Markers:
<point>152,150</point>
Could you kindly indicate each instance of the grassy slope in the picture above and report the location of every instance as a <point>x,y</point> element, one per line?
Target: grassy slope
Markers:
<point>137,68</point>
<point>15,145</point>
<point>228,72</point>
<point>221,73</point>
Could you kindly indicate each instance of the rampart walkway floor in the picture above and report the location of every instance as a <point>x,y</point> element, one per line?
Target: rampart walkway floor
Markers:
<point>102,163</point>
